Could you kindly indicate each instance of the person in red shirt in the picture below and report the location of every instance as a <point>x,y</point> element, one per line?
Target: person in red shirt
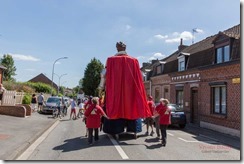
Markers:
<point>165,118</point>
<point>93,119</point>
<point>149,120</point>
<point>86,106</point>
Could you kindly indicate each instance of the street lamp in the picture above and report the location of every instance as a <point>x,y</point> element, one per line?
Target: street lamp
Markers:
<point>59,79</point>
<point>53,70</point>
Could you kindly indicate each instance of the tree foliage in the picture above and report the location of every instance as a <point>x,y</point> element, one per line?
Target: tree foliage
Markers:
<point>8,62</point>
<point>91,78</point>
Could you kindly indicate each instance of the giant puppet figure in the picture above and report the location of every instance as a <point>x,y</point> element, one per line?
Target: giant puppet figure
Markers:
<point>125,96</point>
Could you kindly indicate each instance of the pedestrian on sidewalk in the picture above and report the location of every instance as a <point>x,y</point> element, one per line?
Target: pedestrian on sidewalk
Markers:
<point>149,120</point>
<point>93,119</point>
<point>165,114</point>
<point>33,102</point>
<point>40,99</point>
<point>73,110</point>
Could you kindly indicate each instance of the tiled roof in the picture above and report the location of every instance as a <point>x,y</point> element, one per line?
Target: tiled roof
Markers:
<point>234,32</point>
<point>202,52</point>
<point>42,78</point>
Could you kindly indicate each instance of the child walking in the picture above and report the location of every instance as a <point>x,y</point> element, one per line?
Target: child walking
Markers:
<point>93,119</point>
<point>73,110</point>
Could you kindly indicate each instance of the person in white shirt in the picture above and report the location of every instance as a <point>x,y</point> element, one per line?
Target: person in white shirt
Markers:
<point>73,110</point>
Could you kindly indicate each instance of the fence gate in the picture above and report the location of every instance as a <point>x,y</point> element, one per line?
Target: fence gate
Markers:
<point>9,98</point>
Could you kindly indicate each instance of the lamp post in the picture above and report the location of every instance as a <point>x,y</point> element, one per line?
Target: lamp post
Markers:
<point>59,79</point>
<point>53,70</point>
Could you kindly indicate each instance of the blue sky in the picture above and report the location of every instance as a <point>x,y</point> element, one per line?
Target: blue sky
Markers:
<point>37,32</point>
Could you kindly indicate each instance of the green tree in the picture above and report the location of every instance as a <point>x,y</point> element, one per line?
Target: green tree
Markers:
<point>91,78</point>
<point>8,62</point>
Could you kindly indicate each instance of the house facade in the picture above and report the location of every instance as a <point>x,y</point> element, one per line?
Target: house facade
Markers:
<point>204,80</point>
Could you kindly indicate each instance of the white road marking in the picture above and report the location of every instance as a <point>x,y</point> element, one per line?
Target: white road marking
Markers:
<point>187,140</point>
<point>25,155</point>
<point>170,134</point>
<point>195,141</point>
<point>118,148</point>
<point>208,137</point>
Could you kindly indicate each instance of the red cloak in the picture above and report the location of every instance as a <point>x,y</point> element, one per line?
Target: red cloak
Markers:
<point>125,92</point>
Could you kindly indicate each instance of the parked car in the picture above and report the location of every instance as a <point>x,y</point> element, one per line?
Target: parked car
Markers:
<point>178,116</point>
<point>51,104</point>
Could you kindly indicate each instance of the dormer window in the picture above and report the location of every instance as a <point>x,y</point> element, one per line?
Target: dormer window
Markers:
<point>223,54</point>
<point>182,60</point>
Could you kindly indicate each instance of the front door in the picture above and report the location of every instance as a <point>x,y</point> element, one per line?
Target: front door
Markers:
<point>194,106</point>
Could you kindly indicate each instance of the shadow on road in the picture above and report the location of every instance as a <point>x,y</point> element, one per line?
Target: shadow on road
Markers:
<point>155,146</point>
<point>79,143</point>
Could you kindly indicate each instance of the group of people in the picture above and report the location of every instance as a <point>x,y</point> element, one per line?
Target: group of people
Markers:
<point>161,117</point>
<point>37,102</point>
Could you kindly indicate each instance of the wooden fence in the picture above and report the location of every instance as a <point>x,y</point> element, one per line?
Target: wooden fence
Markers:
<point>12,98</point>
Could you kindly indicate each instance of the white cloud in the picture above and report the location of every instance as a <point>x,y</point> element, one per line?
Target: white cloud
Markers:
<point>161,36</point>
<point>141,57</point>
<point>24,57</point>
<point>159,55</point>
<point>186,35</point>
<point>155,56</point>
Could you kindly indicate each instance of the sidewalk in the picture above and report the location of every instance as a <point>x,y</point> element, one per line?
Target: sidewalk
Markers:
<point>17,133</point>
<point>214,135</point>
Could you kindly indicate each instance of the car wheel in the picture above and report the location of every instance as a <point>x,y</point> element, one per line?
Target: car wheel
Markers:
<point>182,126</point>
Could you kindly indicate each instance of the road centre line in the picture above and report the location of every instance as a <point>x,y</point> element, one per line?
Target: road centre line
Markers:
<point>25,155</point>
<point>118,148</point>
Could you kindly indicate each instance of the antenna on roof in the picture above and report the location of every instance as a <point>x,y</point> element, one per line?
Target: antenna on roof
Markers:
<point>194,30</point>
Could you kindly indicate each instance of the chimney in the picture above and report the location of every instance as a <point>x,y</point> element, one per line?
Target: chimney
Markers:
<point>181,46</point>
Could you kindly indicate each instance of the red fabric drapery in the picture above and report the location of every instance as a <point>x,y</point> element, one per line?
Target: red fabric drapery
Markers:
<point>125,92</point>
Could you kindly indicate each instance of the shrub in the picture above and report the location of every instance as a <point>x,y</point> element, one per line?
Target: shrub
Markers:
<point>26,99</point>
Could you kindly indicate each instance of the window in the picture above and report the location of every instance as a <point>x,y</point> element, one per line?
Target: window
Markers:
<point>182,66</point>
<point>157,95</point>
<point>179,98</point>
<point>219,99</point>
<point>181,63</point>
<point>223,54</point>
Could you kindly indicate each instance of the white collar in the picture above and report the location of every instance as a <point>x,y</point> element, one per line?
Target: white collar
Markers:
<point>120,53</point>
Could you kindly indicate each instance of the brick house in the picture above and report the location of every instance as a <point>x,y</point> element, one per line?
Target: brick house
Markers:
<point>204,79</point>
<point>43,79</point>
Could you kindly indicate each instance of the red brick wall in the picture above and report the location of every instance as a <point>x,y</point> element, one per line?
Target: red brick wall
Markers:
<point>28,109</point>
<point>18,111</point>
<point>221,74</point>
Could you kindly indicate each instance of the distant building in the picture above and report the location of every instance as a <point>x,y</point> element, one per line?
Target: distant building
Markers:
<point>43,79</point>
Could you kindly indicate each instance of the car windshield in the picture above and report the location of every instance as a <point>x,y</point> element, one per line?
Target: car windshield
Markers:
<point>52,100</point>
<point>174,107</point>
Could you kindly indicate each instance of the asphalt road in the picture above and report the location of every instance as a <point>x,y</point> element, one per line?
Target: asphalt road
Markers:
<point>66,141</point>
